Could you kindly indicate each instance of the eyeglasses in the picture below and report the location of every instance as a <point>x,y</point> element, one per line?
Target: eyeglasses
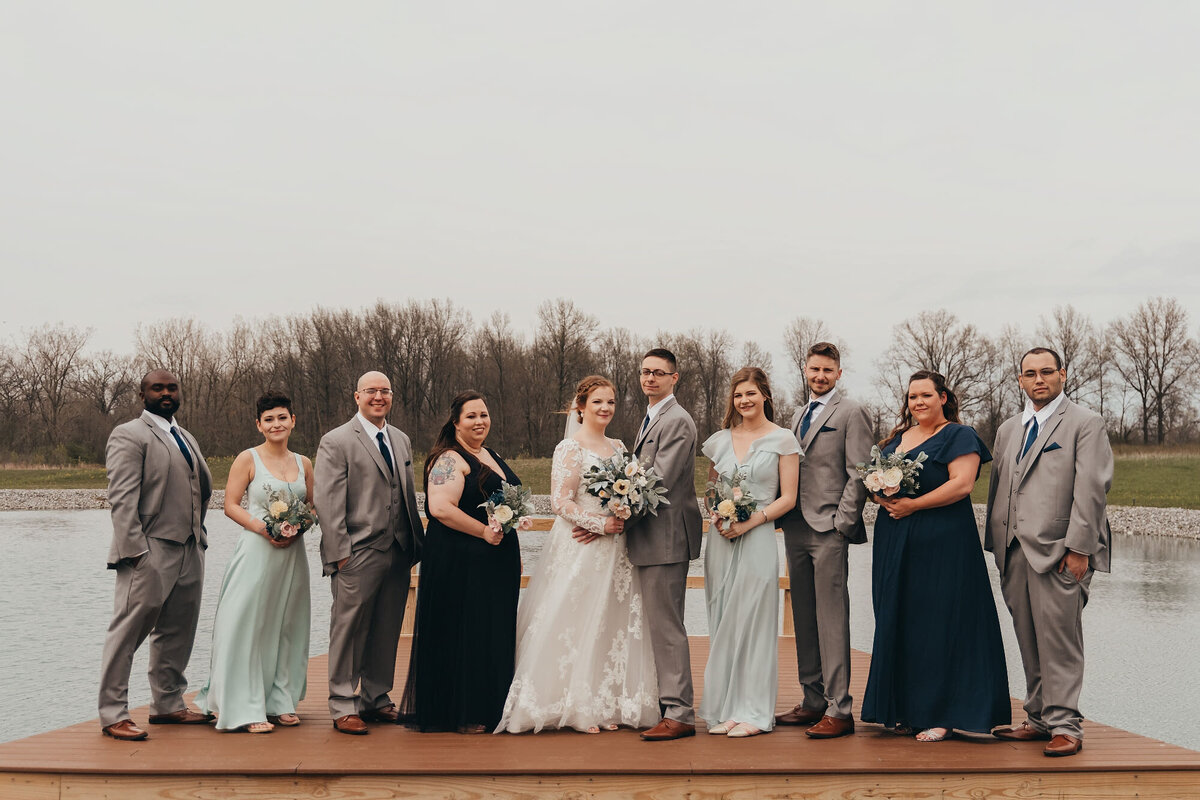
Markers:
<point>658,373</point>
<point>1046,372</point>
<point>373,392</point>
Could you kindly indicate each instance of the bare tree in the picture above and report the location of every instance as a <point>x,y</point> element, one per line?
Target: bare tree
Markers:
<point>618,354</point>
<point>704,374</point>
<point>563,345</point>
<point>936,340</point>
<point>1156,358</point>
<point>1084,353</point>
<point>53,354</point>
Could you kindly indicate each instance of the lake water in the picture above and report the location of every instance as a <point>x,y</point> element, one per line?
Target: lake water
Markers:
<point>1141,625</point>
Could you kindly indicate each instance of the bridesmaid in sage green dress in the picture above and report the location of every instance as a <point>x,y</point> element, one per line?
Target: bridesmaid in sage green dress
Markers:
<point>741,562</point>
<point>259,664</point>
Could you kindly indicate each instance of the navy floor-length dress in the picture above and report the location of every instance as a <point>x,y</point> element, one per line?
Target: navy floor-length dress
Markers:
<point>938,660</point>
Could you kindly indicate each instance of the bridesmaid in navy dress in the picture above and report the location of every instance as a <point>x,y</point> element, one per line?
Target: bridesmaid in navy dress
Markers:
<point>938,661</point>
<point>464,644</point>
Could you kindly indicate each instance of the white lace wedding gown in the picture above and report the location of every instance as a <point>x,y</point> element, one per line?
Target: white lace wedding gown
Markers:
<point>583,659</point>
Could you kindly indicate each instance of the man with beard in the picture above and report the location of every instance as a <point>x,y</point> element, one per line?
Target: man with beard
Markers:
<point>835,434</point>
<point>158,487</point>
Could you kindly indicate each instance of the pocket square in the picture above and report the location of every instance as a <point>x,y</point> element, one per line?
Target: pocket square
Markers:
<point>826,429</point>
<point>1052,446</point>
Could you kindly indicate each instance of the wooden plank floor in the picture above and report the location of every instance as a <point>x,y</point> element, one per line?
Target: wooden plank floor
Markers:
<point>314,748</point>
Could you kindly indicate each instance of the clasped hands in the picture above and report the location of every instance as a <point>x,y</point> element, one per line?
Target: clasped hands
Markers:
<point>898,507</point>
<point>735,529</point>
<point>584,536</point>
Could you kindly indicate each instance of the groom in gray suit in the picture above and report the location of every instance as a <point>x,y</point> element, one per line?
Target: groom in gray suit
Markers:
<point>660,547</point>
<point>835,434</point>
<point>1047,527</point>
<point>158,487</point>
<point>370,537</point>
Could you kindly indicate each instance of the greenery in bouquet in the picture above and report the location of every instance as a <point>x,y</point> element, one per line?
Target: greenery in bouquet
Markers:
<point>287,515</point>
<point>729,499</point>
<point>511,506</point>
<point>625,486</point>
<point>893,474</point>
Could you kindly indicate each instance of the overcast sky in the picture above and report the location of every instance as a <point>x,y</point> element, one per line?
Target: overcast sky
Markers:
<point>666,164</point>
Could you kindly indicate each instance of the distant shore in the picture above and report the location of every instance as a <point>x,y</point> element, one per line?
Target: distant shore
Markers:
<point>1175,522</point>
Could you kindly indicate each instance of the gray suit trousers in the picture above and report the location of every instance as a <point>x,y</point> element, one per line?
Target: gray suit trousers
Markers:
<point>818,564</point>
<point>664,588</point>
<point>369,595</point>
<point>159,598</point>
<point>1047,613</point>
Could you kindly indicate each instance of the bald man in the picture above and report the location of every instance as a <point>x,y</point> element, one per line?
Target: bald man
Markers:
<point>370,537</point>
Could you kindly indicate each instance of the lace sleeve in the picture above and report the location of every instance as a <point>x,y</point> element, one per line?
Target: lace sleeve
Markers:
<point>564,484</point>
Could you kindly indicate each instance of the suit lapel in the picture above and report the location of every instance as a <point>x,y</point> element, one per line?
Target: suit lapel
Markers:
<point>398,458</point>
<point>814,427</point>
<point>653,423</point>
<point>372,446</point>
<point>1035,450</point>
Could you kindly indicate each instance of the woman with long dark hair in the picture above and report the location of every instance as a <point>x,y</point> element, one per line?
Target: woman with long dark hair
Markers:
<point>938,661</point>
<point>741,561</point>
<point>465,637</point>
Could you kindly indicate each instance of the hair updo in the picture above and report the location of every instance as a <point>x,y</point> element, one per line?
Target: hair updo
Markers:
<point>585,387</point>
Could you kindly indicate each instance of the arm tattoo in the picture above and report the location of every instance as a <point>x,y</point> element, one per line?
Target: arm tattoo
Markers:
<point>443,471</point>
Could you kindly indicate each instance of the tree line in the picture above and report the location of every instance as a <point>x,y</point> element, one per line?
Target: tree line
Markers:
<point>59,400</point>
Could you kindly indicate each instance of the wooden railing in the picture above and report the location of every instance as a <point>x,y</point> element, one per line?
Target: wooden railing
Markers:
<point>544,524</point>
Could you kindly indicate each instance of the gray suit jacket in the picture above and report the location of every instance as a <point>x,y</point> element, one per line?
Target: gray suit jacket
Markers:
<point>1054,499</point>
<point>359,502</point>
<point>832,496</point>
<point>139,459</point>
<point>669,445</point>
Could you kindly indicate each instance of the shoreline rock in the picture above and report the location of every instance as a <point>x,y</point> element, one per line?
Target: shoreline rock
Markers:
<point>1142,520</point>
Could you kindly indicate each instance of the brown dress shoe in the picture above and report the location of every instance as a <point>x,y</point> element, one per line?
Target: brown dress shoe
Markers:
<point>184,716</point>
<point>668,729</point>
<point>831,728</point>
<point>799,716</point>
<point>1063,745</point>
<point>388,713</point>
<point>351,724</point>
<point>1021,733</point>
<point>124,731</point>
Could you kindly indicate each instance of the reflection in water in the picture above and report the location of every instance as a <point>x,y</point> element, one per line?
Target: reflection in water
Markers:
<point>1140,625</point>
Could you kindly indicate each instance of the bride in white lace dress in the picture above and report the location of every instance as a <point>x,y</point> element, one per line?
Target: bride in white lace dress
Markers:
<point>583,659</point>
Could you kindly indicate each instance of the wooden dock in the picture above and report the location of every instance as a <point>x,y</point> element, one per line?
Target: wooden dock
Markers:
<point>314,761</point>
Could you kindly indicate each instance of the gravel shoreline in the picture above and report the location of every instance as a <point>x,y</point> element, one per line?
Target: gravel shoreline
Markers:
<point>1174,522</point>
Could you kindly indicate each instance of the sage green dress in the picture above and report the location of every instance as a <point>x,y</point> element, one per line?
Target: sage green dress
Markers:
<point>741,585</point>
<point>259,662</point>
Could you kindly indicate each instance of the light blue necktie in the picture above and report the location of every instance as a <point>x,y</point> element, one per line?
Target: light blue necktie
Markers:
<point>1029,439</point>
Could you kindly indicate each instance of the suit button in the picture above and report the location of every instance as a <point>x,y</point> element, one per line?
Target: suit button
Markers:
<point>388,506</point>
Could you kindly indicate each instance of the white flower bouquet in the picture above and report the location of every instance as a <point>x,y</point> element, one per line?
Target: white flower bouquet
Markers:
<point>510,506</point>
<point>893,474</point>
<point>729,500</point>
<point>287,515</point>
<point>625,486</point>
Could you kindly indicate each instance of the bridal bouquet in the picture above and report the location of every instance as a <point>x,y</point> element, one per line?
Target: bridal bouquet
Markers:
<point>510,506</point>
<point>729,499</point>
<point>893,474</point>
<point>287,515</point>
<point>625,486</point>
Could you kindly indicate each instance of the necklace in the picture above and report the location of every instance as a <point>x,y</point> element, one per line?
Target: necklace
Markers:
<point>472,450</point>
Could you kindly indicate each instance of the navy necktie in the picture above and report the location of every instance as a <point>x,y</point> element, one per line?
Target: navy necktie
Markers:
<point>183,448</point>
<point>645,424</point>
<point>1029,439</point>
<point>383,450</point>
<point>808,417</point>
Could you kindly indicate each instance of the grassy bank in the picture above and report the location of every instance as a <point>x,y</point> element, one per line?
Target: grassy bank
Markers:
<point>1165,478</point>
